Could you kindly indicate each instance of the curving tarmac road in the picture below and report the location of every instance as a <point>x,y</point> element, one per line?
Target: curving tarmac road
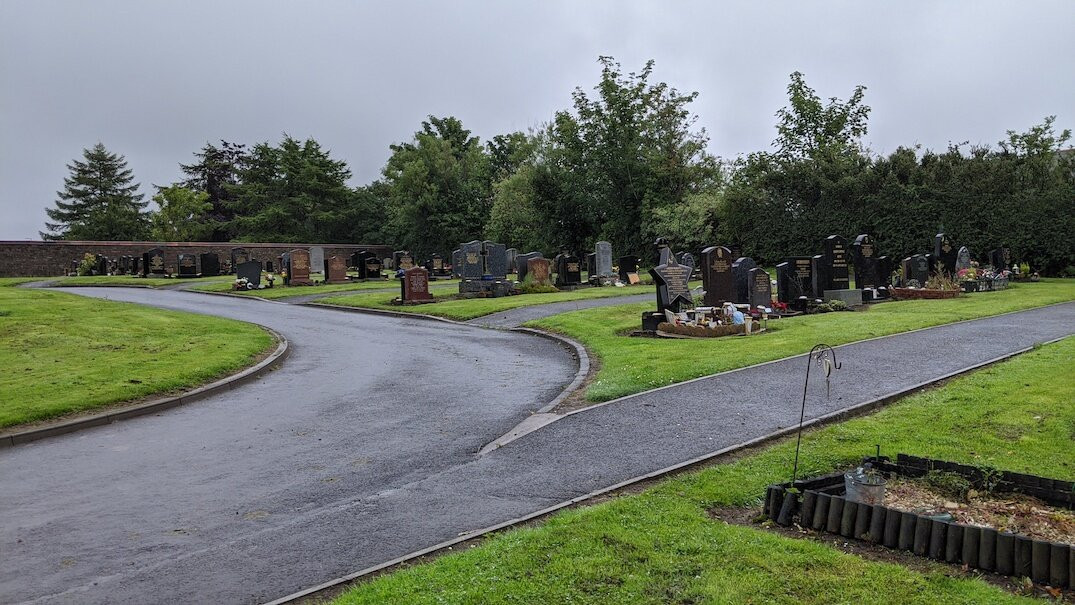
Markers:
<point>316,472</point>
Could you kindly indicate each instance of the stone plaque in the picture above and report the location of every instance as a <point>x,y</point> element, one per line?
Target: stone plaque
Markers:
<point>945,253</point>
<point>415,284</point>
<point>188,265</point>
<point>717,278</point>
<point>538,271</point>
<point>761,288</point>
<point>603,250</point>
<point>836,263</point>
<point>335,270</point>
<point>867,269</point>
<point>673,289</point>
<point>741,278</point>
<point>251,270</point>
<point>298,273</point>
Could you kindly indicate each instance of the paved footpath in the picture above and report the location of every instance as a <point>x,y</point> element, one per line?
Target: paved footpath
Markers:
<point>222,516</point>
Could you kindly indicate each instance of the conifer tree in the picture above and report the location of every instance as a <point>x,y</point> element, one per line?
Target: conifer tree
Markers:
<point>99,201</point>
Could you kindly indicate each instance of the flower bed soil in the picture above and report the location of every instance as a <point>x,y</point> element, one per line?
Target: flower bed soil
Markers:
<point>911,525</point>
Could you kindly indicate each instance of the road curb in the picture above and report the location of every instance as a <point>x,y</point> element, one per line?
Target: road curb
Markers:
<point>668,471</point>
<point>266,365</point>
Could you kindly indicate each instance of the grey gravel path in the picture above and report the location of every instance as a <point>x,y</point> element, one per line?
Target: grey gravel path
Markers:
<point>517,317</point>
<point>104,517</point>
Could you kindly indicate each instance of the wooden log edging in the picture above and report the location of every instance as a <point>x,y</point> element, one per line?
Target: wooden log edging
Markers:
<point>818,503</point>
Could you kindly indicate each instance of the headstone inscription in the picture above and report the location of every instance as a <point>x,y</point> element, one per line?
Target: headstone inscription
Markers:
<point>603,250</point>
<point>568,270</point>
<point>210,264</point>
<point>794,278</point>
<point>836,265</point>
<point>628,266</point>
<point>238,256</point>
<point>741,278</point>
<point>522,264</point>
<point>867,270</point>
<point>415,285</point>
<point>591,265</point>
<point>335,270</point>
<point>920,269</point>
<point>945,253</point>
<point>473,265</point>
<point>761,288</point>
<point>251,270</point>
<point>537,269</point>
<point>299,271</point>
<point>435,264</point>
<point>188,265</point>
<point>673,289</point>
<point>402,259</point>
<point>153,262</point>
<point>317,260</point>
<point>717,278</point>
<point>963,259</point>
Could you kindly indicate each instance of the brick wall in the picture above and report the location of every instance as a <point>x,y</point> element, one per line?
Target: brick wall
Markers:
<point>48,259</point>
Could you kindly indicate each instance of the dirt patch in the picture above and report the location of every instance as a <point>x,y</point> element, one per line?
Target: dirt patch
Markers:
<point>1014,513</point>
<point>750,517</point>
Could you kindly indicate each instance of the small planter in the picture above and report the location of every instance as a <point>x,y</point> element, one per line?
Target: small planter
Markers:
<point>822,504</point>
<point>922,293</point>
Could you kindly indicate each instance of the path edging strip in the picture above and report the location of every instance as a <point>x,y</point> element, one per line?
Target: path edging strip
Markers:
<point>150,407</point>
<point>842,414</point>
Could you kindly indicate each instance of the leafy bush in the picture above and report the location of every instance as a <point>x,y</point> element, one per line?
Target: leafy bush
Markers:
<point>88,264</point>
<point>529,287</point>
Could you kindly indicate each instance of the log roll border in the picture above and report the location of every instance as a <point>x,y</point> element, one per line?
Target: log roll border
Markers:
<point>818,503</point>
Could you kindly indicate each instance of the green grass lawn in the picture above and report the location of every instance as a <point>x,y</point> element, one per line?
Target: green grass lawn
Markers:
<point>630,365</point>
<point>64,353</point>
<point>130,280</point>
<point>470,308</point>
<point>281,291</point>
<point>661,546</point>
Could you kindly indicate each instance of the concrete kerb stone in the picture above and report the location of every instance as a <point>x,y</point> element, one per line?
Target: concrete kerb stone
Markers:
<point>151,407</point>
<point>675,469</point>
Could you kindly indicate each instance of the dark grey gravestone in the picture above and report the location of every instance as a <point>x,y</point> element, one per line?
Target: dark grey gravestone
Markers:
<point>568,270</point>
<point>884,265</point>
<point>591,265</point>
<point>717,280</point>
<point>238,257</point>
<point>664,253</point>
<point>496,260</point>
<point>627,265</point>
<point>963,259</point>
<point>794,278</point>
<point>673,289</point>
<point>473,264</point>
<point>101,266</point>
<point>1001,258</point>
<point>512,254</point>
<point>944,252</point>
<point>867,270</point>
<point>740,276</point>
<point>188,265</point>
<point>688,259</point>
<point>251,270</point>
<point>920,269</point>
<point>457,262</point>
<point>761,288</point>
<point>521,263</point>
<point>372,266</point>
<point>210,264</point>
<point>819,273</point>
<point>836,263</point>
<point>153,262</point>
<point>603,250</point>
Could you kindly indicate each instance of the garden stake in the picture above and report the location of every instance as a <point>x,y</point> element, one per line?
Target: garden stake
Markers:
<point>822,354</point>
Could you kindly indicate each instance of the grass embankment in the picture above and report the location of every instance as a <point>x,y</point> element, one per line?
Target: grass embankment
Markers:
<point>630,365</point>
<point>130,280</point>
<point>469,308</point>
<point>281,291</point>
<point>661,546</point>
<point>64,353</point>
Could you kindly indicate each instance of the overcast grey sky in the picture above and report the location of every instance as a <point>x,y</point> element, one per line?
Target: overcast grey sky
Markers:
<point>155,81</point>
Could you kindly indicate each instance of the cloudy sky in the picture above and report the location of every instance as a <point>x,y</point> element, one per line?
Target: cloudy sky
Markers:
<point>155,80</point>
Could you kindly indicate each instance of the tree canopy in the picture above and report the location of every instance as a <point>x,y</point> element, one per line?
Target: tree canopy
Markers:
<point>99,201</point>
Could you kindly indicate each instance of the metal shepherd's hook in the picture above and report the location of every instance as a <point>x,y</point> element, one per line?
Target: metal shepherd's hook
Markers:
<point>817,354</point>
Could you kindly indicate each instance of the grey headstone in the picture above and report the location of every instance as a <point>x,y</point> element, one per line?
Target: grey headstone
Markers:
<point>471,261</point>
<point>963,259</point>
<point>740,275</point>
<point>317,258</point>
<point>496,260</point>
<point>604,259</point>
<point>761,288</point>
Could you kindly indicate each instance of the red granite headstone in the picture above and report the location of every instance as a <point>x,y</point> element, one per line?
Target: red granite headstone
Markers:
<point>335,270</point>
<point>299,275</point>
<point>537,271</point>
<point>416,284</point>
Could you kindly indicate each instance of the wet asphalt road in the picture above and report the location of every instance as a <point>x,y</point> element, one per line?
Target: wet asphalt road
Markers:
<point>202,503</point>
<point>243,505</point>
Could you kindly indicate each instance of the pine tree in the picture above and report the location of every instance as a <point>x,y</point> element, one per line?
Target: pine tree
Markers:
<point>99,201</point>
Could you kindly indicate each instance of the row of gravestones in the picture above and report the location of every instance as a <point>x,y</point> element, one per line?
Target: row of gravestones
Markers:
<point>947,259</point>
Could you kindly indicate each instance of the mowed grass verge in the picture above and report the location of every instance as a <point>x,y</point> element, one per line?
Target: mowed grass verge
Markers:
<point>661,546</point>
<point>64,353</point>
<point>464,309</point>
<point>281,291</point>
<point>631,365</point>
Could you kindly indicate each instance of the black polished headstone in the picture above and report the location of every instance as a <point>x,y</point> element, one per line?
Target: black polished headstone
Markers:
<point>740,276</point>
<point>496,260</point>
<point>627,265</point>
<point>761,288</point>
<point>836,263</point>
<point>153,262</point>
<point>472,265</point>
<point>867,270</point>
<point>673,289</point>
<point>251,270</point>
<point>794,278</point>
<point>717,279</point>
<point>568,270</point>
<point>945,253</point>
<point>188,265</point>
<point>591,264</point>
<point>210,264</point>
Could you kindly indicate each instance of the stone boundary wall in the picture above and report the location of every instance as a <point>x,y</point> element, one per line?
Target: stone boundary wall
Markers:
<point>53,258</point>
